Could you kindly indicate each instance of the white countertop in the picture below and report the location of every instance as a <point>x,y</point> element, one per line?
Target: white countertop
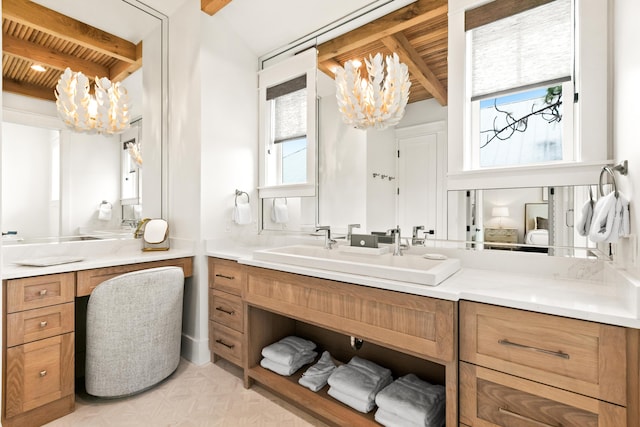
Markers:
<point>591,290</point>
<point>95,254</point>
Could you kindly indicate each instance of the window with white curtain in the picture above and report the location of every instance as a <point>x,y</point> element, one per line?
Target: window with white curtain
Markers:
<point>520,83</point>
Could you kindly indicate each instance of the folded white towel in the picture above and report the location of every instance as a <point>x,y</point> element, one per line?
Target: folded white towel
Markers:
<point>610,219</point>
<point>415,400</point>
<point>287,370</point>
<point>288,350</point>
<point>586,215</point>
<point>389,419</point>
<point>242,213</point>
<point>360,378</point>
<point>363,406</point>
<point>316,376</point>
<point>280,213</point>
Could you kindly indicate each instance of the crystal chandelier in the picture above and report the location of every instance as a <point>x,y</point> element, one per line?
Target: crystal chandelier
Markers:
<point>105,112</point>
<point>376,102</point>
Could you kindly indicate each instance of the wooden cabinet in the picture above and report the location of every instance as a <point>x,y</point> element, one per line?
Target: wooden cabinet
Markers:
<point>39,349</point>
<point>503,236</point>
<point>226,311</point>
<point>524,367</point>
<point>405,333</point>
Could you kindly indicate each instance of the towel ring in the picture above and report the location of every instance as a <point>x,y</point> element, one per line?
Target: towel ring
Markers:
<point>608,170</point>
<point>240,193</point>
<point>274,201</point>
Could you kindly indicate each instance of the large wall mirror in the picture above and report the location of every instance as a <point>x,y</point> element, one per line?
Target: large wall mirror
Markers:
<point>58,184</point>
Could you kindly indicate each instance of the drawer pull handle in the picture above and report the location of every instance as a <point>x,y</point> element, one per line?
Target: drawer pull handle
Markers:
<point>43,373</point>
<point>225,277</point>
<point>539,350</point>
<point>522,417</point>
<point>43,292</point>
<point>229,312</point>
<point>219,341</point>
<point>43,323</point>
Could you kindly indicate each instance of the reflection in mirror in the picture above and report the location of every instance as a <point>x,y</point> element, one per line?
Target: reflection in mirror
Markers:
<point>55,180</point>
<point>535,219</point>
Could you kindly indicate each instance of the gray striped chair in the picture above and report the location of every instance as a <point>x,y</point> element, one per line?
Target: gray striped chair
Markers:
<point>134,327</point>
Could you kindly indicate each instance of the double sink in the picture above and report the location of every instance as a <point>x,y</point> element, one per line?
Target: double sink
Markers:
<point>413,268</point>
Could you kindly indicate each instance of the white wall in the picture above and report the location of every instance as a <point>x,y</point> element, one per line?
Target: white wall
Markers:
<point>626,108</point>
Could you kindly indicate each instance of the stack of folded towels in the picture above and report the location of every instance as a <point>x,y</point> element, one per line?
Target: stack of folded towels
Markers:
<point>288,355</point>
<point>410,401</point>
<point>357,383</point>
<point>316,376</point>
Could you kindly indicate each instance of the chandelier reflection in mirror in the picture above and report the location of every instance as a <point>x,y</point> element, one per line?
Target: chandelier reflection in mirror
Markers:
<point>377,101</point>
<point>105,112</point>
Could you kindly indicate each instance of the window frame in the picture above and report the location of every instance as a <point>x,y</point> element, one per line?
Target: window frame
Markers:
<point>304,63</point>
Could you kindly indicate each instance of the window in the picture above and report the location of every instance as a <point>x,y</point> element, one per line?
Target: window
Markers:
<point>520,83</point>
<point>288,127</point>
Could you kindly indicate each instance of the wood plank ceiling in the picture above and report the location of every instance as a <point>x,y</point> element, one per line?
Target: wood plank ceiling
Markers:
<point>33,34</point>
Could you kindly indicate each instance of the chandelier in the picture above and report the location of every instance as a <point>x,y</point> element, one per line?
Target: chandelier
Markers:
<point>106,111</point>
<point>376,102</point>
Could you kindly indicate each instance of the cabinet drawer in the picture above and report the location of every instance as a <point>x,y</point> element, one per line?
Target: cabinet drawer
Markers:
<point>225,342</point>
<point>38,373</point>
<point>39,291</point>
<point>226,275</point>
<point>490,398</point>
<point>226,309</point>
<point>418,325</point>
<point>584,357</point>
<point>39,323</point>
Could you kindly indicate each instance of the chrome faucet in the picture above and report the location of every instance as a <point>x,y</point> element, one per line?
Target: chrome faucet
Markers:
<point>415,240</point>
<point>350,228</point>
<point>397,247</point>
<point>328,241</point>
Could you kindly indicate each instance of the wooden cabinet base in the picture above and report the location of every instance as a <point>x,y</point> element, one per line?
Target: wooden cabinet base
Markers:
<point>43,414</point>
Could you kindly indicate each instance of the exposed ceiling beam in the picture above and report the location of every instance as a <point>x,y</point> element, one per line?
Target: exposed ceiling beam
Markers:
<point>211,7</point>
<point>417,67</point>
<point>26,89</point>
<point>49,57</point>
<point>51,22</point>
<point>408,16</point>
<point>121,70</point>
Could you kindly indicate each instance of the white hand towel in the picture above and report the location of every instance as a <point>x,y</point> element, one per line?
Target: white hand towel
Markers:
<point>316,376</point>
<point>413,399</point>
<point>287,370</point>
<point>288,350</point>
<point>603,215</point>
<point>242,213</point>
<point>280,213</point>
<point>363,406</point>
<point>104,212</point>
<point>584,223</point>
<point>389,419</point>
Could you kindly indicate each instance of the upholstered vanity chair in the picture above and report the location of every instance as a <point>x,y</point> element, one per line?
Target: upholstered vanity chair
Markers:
<point>134,326</point>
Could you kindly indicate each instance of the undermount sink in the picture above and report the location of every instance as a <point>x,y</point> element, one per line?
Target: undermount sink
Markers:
<point>406,268</point>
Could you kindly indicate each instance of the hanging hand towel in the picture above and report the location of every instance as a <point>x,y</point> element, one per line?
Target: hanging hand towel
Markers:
<point>586,216</point>
<point>280,213</point>
<point>104,211</point>
<point>602,221</point>
<point>242,213</point>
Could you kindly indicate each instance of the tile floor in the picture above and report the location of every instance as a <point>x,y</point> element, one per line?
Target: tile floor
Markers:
<point>193,396</point>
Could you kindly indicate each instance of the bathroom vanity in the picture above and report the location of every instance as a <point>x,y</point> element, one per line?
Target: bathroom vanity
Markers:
<point>503,360</point>
<point>39,332</point>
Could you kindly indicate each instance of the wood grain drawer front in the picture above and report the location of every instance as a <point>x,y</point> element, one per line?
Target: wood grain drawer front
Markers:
<point>225,342</point>
<point>491,398</point>
<point>89,279</point>
<point>227,310</point>
<point>226,275</point>
<point>39,323</point>
<point>418,325</point>
<point>585,357</point>
<point>39,291</point>
<point>38,373</point>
